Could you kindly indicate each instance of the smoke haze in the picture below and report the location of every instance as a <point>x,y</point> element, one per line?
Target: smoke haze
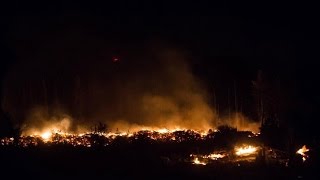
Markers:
<point>155,89</point>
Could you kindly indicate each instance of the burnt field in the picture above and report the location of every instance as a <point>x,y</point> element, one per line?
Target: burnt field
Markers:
<point>140,156</point>
<point>133,163</point>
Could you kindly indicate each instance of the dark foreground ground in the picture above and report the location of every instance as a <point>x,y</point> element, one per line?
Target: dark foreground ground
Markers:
<point>131,162</point>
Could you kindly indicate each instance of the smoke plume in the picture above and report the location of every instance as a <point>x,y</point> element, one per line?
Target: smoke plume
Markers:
<point>153,88</point>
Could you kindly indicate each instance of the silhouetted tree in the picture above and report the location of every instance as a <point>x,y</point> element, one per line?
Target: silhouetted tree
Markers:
<point>7,128</point>
<point>260,95</point>
<point>100,128</point>
<point>272,134</point>
<point>226,136</point>
<point>271,104</point>
<point>273,99</point>
<point>225,129</point>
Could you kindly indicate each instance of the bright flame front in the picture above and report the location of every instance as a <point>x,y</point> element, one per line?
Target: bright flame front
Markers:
<point>214,156</point>
<point>246,150</point>
<point>46,136</point>
<point>197,161</point>
<point>302,151</point>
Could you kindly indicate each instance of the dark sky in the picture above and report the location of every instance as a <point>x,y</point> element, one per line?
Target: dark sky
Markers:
<point>227,42</point>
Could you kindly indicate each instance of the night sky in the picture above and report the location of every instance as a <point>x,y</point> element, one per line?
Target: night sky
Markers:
<point>226,44</point>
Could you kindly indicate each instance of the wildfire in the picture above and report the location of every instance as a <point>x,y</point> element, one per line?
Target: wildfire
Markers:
<point>46,136</point>
<point>197,161</point>
<point>163,131</point>
<point>243,153</point>
<point>214,156</point>
<point>54,134</point>
<point>204,159</point>
<point>87,139</point>
<point>245,150</point>
<point>302,151</point>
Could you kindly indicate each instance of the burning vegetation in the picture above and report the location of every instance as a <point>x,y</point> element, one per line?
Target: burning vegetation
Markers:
<point>222,147</point>
<point>168,110</point>
<point>246,150</point>
<point>87,139</point>
<point>302,151</point>
<point>189,139</point>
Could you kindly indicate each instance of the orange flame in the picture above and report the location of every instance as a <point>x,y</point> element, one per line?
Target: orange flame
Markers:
<point>246,150</point>
<point>302,151</point>
<point>198,162</point>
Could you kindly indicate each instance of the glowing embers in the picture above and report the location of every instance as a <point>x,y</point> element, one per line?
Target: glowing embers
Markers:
<point>205,159</point>
<point>245,153</point>
<point>6,141</point>
<point>246,150</point>
<point>198,162</point>
<point>302,151</point>
<point>216,156</point>
<point>89,139</point>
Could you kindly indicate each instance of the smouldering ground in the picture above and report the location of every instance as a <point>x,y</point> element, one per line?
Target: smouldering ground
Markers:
<point>150,154</point>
